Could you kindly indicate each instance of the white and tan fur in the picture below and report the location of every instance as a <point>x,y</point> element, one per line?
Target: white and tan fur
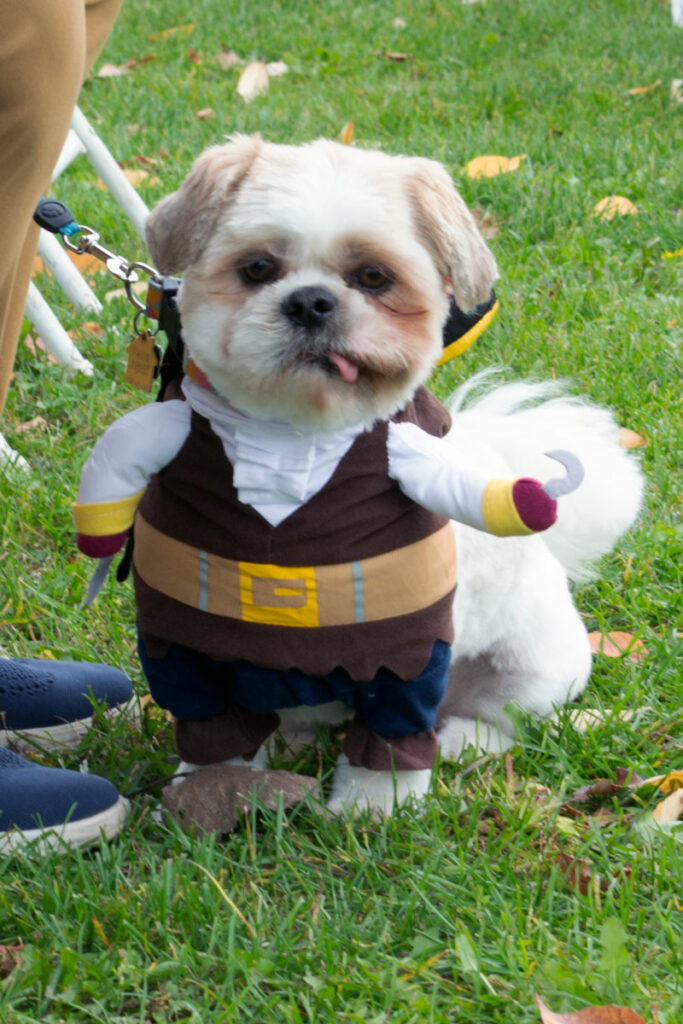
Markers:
<point>324,215</point>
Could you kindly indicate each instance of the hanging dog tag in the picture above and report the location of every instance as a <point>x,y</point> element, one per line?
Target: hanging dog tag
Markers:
<point>143,361</point>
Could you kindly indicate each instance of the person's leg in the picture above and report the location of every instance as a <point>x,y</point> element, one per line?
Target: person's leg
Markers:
<point>46,49</point>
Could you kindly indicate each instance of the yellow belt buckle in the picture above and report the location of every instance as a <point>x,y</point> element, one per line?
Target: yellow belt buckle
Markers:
<point>278,595</point>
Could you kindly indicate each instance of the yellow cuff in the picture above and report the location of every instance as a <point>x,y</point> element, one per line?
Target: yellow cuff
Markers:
<point>498,509</point>
<point>104,518</point>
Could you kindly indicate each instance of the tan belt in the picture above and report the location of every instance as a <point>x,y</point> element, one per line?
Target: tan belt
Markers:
<point>384,587</point>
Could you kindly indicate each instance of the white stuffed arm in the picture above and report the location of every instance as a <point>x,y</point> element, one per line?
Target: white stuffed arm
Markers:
<point>116,474</point>
<point>428,471</point>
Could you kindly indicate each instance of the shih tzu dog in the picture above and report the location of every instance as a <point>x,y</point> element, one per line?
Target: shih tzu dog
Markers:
<point>316,537</point>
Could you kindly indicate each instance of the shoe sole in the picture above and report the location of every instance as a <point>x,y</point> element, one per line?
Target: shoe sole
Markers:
<point>60,737</point>
<point>106,824</point>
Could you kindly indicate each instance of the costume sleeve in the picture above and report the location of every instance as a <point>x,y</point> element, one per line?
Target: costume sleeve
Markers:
<point>116,474</point>
<point>428,471</point>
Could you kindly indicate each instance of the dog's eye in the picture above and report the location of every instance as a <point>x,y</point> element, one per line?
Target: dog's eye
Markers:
<point>371,278</point>
<point>259,271</point>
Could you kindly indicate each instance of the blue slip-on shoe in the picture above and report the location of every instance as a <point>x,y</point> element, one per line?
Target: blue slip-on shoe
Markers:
<point>50,703</point>
<point>54,807</point>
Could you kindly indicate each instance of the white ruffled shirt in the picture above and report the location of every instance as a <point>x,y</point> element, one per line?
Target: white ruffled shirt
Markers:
<point>277,468</point>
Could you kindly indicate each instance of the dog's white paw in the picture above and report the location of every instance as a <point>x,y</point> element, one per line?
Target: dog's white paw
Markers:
<point>456,734</point>
<point>258,762</point>
<point>378,791</point>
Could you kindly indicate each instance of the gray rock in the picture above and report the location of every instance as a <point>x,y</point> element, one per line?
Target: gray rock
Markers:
<point>213,797</point>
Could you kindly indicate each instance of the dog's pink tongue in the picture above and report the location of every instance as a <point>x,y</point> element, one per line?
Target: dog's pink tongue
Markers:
<point>348,371</point>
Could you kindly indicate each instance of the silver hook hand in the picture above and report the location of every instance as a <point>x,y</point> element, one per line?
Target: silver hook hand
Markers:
<point>573,477</point>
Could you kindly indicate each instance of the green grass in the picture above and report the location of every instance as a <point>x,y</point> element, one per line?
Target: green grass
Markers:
<point>458,912</point>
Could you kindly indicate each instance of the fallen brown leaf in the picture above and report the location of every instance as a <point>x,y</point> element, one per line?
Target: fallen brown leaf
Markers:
<point>397,58</point>
<point>629,438</point>
<point>37,423</point>
<point>86,262</point>
<point>36,345</point>
<point>578,873</point>
<point>135,62</point>
<point>671,808</point>
<point>487,223</point>
<point>590,1015</point>
<point>626,779</point>
<point>275,68</point>
<point>490,166</point>
<point>112,70</point>
<point>93,327</point>
<point>253,81</point>
<point>616,644</point>
<point>228,59</point>
<point>10,957</point>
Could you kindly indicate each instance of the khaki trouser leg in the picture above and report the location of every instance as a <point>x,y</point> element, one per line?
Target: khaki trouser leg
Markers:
<point>46,49</point>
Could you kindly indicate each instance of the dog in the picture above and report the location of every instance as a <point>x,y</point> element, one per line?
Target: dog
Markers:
<point>300,508</point>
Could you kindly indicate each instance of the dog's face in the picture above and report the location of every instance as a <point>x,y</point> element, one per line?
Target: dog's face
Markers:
<point>317,279</point>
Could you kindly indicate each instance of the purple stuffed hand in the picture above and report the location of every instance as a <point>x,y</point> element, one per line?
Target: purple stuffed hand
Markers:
<point>101,547</point>
<point>536,503</point>
<point>535,508</point>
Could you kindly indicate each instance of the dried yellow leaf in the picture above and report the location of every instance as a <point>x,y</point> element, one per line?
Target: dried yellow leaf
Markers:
<point>347,133</point>
<point>617,643</point>
<point>585,719</point>
<point>671,808</point>
<point>612,206</point>
<point>253,81</point>
<point>276,68</point>
<point>640,90</point>
<point>667,783</point>
<point>490,166</point>
<point>112,70</point>
<point>176,30</point>
<point>629,438</point>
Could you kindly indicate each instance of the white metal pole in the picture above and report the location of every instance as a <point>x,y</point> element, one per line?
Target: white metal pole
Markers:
<point>110,172</point>
<point>57,341</point>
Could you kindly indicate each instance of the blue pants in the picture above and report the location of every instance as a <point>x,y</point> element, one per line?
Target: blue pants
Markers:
<point>225,708</point>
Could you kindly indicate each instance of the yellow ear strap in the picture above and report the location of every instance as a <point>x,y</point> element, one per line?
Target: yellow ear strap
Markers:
<point>460,345</point>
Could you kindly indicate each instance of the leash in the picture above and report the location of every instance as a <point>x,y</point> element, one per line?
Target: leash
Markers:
<point>145,362</point>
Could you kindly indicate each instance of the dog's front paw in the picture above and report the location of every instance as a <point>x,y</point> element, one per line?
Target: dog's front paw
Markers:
<point>378,791</point>
<point>457,734</point>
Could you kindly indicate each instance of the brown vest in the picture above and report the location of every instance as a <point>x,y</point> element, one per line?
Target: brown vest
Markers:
<point>359,576</point>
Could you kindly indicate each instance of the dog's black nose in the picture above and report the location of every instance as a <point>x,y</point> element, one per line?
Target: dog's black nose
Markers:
<point>309,306</point>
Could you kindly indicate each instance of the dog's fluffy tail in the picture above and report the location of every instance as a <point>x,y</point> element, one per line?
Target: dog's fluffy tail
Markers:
<point>509,427</point>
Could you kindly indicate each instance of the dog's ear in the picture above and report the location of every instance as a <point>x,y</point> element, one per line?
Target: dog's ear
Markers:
<point>450,232</point>
<point>179,227</point>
